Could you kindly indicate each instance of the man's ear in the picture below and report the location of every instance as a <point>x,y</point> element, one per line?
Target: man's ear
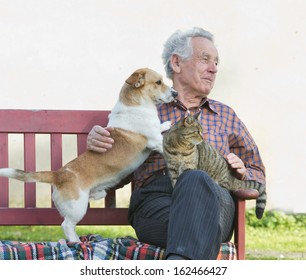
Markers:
<point>175,63</point>
<point>136,80</point>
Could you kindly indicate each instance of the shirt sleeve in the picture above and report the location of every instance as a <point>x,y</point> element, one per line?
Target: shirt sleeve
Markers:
<point>243,145</point>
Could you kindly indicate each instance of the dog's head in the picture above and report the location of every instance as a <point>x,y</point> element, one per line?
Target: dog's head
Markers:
<point>146,85</point>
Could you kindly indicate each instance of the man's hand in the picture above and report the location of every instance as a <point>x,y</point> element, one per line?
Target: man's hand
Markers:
<point>99,140</point>
<point>237,166</point>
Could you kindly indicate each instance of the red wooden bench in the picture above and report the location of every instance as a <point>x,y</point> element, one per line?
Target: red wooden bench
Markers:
<point>57,123</point>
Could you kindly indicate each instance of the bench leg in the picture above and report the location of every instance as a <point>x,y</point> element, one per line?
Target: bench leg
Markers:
<point>240,229</point>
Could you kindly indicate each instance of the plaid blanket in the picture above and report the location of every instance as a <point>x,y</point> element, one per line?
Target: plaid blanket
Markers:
<point>92,247</point>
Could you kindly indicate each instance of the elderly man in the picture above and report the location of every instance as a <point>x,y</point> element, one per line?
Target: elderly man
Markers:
<point>193,219</point>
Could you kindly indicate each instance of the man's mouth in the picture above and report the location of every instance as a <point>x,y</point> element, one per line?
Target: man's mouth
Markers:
<point>210,80</point>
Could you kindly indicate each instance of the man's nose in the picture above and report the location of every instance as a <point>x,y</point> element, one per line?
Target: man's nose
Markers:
<point>213,67</point>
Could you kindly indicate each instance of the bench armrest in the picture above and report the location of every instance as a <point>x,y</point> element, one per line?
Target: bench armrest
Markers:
<point>246,194</point>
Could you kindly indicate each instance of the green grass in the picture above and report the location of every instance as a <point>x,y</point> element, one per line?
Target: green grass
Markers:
<point>276,236</point>
<point>55,233</point>
<point>285,240</point>
<point>263,243</point>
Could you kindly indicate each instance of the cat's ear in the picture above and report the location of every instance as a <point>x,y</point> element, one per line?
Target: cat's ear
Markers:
<point>187,121</point>
<point>197,115</point>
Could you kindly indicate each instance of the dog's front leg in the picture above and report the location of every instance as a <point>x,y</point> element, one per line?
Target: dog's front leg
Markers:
<point>160,149</point>
<point>165,126</point>
<point>97,194</point>
<point>156,143</point>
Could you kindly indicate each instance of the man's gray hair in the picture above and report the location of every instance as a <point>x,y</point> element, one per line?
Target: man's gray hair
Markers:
<point>179,43</point>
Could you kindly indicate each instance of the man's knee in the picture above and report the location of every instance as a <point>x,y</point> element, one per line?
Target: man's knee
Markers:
<point>195,180</point>
<point>195,175</point>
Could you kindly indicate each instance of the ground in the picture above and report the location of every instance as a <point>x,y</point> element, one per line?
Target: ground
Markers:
<point>258,254</point>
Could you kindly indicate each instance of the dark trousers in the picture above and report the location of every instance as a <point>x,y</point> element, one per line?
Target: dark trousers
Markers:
<point>191,220</point>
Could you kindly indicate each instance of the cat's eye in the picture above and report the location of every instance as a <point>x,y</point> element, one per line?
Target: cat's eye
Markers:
<point>159,82</point>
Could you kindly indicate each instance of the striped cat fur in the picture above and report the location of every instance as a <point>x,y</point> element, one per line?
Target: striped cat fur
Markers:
<point>185,149</point>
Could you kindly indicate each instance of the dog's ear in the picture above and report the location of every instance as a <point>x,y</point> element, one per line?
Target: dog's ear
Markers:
<point>136,80</point>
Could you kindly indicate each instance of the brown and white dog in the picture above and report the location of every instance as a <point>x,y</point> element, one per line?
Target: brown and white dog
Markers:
<point>137,132</point>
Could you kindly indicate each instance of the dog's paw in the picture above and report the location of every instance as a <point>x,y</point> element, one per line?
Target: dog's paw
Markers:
<point>159,149</point>
<point>165,126</point>
<point>97,194</point>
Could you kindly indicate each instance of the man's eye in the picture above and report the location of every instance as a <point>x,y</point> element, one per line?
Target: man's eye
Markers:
<point>205,59</point>
<point>159,82</point>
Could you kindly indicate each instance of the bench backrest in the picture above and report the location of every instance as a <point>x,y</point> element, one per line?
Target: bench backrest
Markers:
<point>55,123</point>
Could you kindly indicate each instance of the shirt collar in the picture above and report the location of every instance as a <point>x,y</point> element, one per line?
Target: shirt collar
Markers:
<point>205,102</point>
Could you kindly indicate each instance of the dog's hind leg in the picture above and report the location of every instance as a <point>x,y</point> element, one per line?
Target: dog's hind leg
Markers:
<point>68,226</point>
<point>73,210</point>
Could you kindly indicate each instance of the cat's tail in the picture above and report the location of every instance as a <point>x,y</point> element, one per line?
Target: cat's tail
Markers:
<point>261,200</point>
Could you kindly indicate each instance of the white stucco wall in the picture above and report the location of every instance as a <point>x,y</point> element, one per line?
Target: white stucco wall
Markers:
<point>75,54</point>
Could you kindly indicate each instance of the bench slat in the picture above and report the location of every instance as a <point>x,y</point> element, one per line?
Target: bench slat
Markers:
<point>46,121</point>
<point>29,165</point>
<point>56,151</point>
<point>81,142</point>
<point>50,216</point>
<point>4,192</point>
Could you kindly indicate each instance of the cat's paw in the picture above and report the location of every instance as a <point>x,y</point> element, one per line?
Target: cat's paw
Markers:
<point>165,126</point>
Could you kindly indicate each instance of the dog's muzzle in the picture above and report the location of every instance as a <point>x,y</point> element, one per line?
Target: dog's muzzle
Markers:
<point>173,92</point>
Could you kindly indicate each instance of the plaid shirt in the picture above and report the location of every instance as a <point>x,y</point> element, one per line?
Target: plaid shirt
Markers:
<point>221,128</point>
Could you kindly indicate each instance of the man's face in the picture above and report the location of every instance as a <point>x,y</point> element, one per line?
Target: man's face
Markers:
<point>197,74</point>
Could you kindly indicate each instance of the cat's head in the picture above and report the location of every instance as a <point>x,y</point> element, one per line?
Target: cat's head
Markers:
<point>188,131</point>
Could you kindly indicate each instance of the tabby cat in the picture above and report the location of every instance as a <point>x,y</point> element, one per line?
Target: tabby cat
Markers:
<point>184,148</point>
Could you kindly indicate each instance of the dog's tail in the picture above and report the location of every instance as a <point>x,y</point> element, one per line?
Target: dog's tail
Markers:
<point>40,176</point>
